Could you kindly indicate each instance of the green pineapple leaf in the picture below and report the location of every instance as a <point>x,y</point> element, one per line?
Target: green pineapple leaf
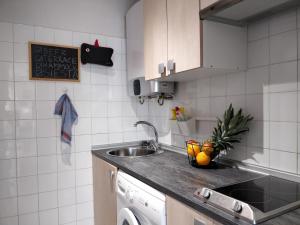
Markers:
<point>229,130</point>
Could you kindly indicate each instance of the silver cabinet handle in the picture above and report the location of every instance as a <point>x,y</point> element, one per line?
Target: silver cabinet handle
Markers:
<point>171,66</point>
<point>197,222</point>
<point>162,69</point>
<point>112,175</point>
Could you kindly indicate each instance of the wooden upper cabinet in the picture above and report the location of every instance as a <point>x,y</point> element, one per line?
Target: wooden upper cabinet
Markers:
<point>184,35</point>
<point>155,38</point>
<point>207,3</point>
<point>176,40</point>
<point>105,199</point>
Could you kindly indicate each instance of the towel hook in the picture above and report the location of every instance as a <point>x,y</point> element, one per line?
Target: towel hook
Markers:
<point>65,90</point>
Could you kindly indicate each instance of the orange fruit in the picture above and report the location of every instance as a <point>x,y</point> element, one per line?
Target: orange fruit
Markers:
<point>207,147</point>
<point>203,159</point>
<point>193,148</point>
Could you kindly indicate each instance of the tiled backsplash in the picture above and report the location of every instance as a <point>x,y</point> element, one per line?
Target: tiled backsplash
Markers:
<point>268,90</point>
<point>43,181</point>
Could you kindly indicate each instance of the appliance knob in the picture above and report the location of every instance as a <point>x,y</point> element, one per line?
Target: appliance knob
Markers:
<point>130,196</point>
<point>205,193</point>
<point>237,207</point>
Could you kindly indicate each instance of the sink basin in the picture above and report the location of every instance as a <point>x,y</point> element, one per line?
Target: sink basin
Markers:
<point>131,152</point>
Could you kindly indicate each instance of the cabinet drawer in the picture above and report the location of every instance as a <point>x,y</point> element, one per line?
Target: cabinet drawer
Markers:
<point>180,214</point>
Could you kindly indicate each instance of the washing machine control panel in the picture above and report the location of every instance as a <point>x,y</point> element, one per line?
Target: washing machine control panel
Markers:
<point>130,195</point>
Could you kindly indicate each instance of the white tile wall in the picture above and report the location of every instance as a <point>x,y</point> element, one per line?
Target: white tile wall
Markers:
<point>7,149</point>
<point>268,90</point>
<point>67,197</point>
<point>26,147</point>
<point>6,71</point>
<point>25,110</point>
<point>6,32</point>
<point>7,110</point>
<point>25,90</point>
<point>283,77</point>
<point>23,33</point>
<point>27,185</point>
<point>284,161</point>
<point>49,217</point>
<point>6,90</point>
<point>26,166</point>
<point>282,47</point>
<point>9,220</point>
<point>8,188</point>
<point>20,52</point>
<point>7,130</point>
<point>29,219</point>
<point>258,30</point>
<point>284,22</point>
<point>258,53</point>
<point>28,204</point>
<point>25,129</point>
<point>283,107</point>
<point>42,181</point>
<point>6,51</point>
<point>11,207</point>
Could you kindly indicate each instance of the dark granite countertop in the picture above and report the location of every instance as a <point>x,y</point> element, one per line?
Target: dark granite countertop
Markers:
<point>170,173</point>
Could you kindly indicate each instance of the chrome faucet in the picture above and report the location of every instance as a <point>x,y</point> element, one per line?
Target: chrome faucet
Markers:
<point>153,143</point>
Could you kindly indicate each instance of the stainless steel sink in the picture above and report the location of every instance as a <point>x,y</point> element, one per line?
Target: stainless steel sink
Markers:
<point>132,152</point>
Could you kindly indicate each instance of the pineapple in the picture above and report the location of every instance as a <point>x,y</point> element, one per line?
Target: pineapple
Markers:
<point>230,130</point>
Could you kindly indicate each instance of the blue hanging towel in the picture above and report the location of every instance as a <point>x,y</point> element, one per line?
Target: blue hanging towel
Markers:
<point>65,108</point>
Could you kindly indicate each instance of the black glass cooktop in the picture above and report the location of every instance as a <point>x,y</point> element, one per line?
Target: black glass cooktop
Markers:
<point>265,193</point>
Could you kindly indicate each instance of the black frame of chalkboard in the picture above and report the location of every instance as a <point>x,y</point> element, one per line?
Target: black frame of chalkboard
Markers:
<point>52,45</point>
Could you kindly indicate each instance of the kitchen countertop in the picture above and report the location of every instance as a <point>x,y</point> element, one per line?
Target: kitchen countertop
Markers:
<point>170,173</point>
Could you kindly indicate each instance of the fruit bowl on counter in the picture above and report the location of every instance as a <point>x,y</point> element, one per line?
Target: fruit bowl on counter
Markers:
<point>228,131</point>
<point>200,155</point>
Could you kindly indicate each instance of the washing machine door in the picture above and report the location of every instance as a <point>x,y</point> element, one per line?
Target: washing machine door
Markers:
<point>126,217</point>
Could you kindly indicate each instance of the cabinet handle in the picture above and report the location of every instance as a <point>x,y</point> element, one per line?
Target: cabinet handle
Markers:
<point>197,222</point>
<point>171,66</point>
<point>162,69</point>
<point>112,175</point>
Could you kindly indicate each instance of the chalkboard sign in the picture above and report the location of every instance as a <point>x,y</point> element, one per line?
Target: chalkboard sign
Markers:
<point>53,62</point>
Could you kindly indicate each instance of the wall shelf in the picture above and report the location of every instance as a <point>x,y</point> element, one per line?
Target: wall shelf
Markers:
<point>205,118</point>
<point>185,128</point>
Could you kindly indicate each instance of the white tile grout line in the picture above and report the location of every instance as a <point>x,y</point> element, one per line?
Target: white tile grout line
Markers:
<point>36,146</point>
<point>268,92</point>
<point>15,131</point>
<point>297,35</point>
<point>73,137</point>
<point>247,58</point>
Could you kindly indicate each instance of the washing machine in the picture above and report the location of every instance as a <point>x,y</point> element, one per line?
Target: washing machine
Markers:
<point>138,203</point>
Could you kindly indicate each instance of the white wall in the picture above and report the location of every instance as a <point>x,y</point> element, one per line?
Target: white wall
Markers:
<point>92,16</point>
<point>269,90</point>
<point>37,186</point>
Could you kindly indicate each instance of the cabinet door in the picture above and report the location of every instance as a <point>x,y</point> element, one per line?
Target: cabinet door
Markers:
<point>105,199</point>
<point>155,38</point>
<point>207,3</point>
<point>183,35</point>
<point>180,214</point>
<point>135,41</point>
